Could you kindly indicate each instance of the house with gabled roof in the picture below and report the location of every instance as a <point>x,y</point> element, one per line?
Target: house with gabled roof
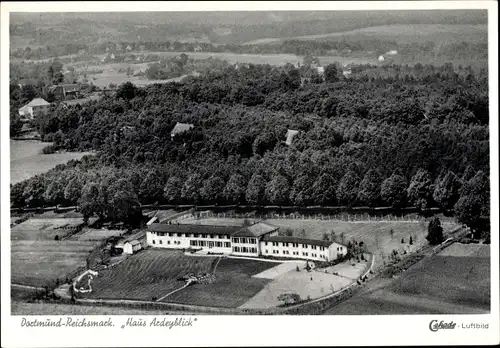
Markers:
<point>37,106</point>
<point>180,128</point>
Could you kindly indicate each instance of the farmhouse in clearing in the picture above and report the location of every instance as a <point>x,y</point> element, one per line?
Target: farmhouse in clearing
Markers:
<point>180,128</point>
<point>259,239</point>
<point>37,106</point>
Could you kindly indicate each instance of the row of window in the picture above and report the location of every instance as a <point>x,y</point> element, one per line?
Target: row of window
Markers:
<point>296,253</point>
<point>296,245</point>
<point>203,243</point>
<point>244,250</point>
<point>168,242</point>
<point>191,235</point>
<point>245,240</point>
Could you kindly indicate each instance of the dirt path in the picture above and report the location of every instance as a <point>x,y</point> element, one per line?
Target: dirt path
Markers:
<point>27,287</point>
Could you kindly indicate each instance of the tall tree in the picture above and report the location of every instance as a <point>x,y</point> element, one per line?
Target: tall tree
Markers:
<point>420,189</point>
<point>89,201</point>
<point>173,189</point>
<point>191,189</point>
<point>446,192</point>
<point>323,190</point>
<point>234,191</point>
<point>393,191</point>
<point>331,73</point>
<point>369,189</point>
<point>278,190</point>
<point>435,232</point>
<point>255,193</point>
<point>212,190</point>
<point>347,190</point>
<point>302,192</point>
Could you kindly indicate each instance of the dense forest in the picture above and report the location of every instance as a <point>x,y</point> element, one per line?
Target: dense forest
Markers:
<point>387,136</point>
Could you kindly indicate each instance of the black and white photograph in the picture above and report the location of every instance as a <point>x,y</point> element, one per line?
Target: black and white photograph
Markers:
<point>181,165</point>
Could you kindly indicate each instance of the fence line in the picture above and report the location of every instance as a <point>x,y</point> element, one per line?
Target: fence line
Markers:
<point>346,217</point>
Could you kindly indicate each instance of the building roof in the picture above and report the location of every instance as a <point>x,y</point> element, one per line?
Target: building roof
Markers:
<point>291,239</point>
<point>289,136</point>
<point>37,102</point>
<point>133,242</point>
<point>256,230</point>
<point>181,127</point>
<point>186,228</point>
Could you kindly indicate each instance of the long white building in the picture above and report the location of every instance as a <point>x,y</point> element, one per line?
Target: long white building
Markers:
<point>260,239</point>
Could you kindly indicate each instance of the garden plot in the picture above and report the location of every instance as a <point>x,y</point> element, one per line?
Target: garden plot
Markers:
<point>44,229</point>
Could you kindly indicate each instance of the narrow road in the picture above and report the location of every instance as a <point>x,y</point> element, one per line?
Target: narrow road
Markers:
<point>27,287</point>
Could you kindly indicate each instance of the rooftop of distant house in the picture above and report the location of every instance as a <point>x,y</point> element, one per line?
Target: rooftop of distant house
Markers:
<point>289,136</point>
<point>37,102</point>
<point>181,127</point>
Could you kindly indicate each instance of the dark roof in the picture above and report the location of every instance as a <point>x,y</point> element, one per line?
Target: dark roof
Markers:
<point>185,228</point>
<point>291,239</point>
<point>256,230</point>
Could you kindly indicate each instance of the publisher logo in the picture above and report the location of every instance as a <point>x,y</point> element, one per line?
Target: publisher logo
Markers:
<point>435,325</point>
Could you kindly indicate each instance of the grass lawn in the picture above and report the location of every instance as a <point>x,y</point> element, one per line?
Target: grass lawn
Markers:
<point>436,285</point>
<point>44,229</point>
<point>26,160</point>
<point>147,274</point>
<point>40,263</point>
<point>234,285</point>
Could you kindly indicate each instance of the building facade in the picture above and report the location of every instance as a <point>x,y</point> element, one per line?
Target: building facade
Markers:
<point>259,239</point>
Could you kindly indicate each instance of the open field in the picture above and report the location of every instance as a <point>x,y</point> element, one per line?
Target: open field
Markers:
<point>39,263</point>
<point>23,308</point>
<point>26,160</point>
<point>234,285</point>
<point>402,33</point>
<point>44,229</point>
<point>438,284</point>
<point>271,59</point>
<point>147,274</point>
<point>91,234</point>
<point>111,74</point>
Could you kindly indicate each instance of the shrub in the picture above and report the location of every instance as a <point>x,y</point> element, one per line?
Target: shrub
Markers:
<point>50,149</point>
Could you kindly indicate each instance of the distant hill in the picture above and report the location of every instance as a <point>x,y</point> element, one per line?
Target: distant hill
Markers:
<point>219,27</point>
